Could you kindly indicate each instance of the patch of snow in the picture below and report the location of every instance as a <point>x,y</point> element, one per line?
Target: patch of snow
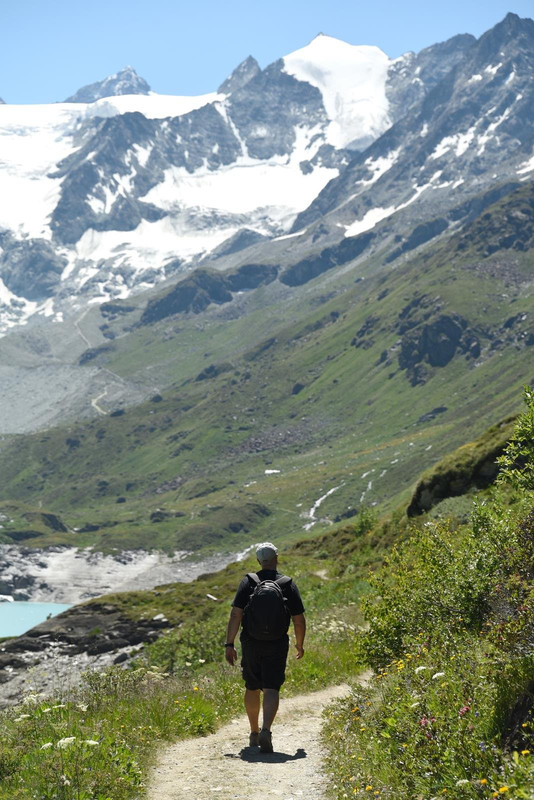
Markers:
<point>352,81</point>
<point>492,70</point>
<point>526,166</point>
<point>247,184</point>
<point>459,141</point>
<point>379,166</point>
<point>475,78</point>
<point>272,471</point>
<point>424,130</point>
<point>371,218</point>
<point>33,139</point>
<point>151,106</point>
<point>376,215</point>
<point>511,76</point>
<point>484,138</point>
<point>289,235</point>
<point>149,245</point>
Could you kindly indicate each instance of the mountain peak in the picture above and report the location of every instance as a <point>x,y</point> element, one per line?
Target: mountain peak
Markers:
<point>512,32</point>
<point>126,81</point>
<point>241,75</point>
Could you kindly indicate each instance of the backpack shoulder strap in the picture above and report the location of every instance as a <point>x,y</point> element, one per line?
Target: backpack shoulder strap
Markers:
<point>253,578</point>
<point>285,580</point>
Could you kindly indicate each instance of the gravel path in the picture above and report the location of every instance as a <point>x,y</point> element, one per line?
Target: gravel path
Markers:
<point>223,766</point>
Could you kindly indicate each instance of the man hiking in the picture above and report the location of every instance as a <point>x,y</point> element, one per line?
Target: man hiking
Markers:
<point>264,603</point>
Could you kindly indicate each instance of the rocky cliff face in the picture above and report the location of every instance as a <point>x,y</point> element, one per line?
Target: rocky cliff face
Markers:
<point>126,81</point>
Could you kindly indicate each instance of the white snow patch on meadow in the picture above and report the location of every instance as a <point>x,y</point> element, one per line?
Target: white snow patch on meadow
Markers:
<point>352,81</point>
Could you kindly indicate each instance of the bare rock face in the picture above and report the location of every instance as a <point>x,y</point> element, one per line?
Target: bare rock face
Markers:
<point>241,75</point>
<point>126,81</point>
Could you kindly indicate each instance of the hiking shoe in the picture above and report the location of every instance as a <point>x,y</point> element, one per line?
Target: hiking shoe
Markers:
<point>254,739</point>
<point>265,741</point>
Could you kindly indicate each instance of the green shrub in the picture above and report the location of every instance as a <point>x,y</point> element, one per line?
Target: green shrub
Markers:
<point>449,712</point>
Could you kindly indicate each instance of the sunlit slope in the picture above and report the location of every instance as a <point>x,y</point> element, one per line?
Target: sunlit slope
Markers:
<point>360,386</point>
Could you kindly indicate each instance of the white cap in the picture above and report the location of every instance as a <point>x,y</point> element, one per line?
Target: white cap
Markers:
<point>266,551</point>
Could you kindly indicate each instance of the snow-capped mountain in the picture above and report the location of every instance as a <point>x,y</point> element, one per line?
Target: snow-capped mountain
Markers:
<point>107,195</point>
<point>473,130</point>
<point>126,81</point>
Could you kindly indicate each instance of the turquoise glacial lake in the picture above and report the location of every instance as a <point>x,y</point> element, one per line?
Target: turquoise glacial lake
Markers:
<point>18,617</point>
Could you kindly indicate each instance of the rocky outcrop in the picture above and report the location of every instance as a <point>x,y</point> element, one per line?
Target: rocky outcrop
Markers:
<point>309,268</point>
<point>30,268</point>
<point>126,81</point>
<point>195,293</point>
<point>473,466</point>
<point>203,287</point>
<point>91,628</point>
<point>431,338</point>
<point>242,74</point>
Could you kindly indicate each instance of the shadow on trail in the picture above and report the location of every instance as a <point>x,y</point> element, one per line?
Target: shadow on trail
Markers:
<point>253,755</point>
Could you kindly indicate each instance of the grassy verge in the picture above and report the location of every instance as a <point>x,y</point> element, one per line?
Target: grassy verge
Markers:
<point>449,712</point>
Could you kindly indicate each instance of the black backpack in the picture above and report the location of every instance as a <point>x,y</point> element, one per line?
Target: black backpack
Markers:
<point>266,615</point>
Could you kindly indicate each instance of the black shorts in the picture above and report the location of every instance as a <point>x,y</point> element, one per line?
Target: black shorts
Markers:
<point>263,664</point>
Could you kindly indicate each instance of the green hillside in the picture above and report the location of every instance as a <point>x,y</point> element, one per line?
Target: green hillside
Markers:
<point>342,393</point>
<point>448,711</point>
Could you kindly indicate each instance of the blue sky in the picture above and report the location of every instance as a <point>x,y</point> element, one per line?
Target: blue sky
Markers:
<point>52,47</point>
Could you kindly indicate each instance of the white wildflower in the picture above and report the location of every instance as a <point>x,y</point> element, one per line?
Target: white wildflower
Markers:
<point>65,781</point>
<point>68,740</point>
<point>91,742</point>
<point>187,663</point>
<point>462,782</point>
<point>414,705</point>
<point>46,745</point>
<point>21,717</point>
<point>32,698</point>
<point>61,705</point>
<point>82,706</point>
<point>201,660</point>
<point>419,669</point>
<point>47,710</point>
<point>437,675</point>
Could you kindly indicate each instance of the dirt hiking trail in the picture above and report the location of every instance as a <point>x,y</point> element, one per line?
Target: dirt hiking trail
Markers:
<point>223,766</point>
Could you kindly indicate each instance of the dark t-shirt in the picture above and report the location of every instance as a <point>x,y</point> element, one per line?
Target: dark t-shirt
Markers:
<point>290,591</point>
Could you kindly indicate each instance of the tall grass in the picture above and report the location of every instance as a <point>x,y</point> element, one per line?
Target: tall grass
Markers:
<point>449,712</point>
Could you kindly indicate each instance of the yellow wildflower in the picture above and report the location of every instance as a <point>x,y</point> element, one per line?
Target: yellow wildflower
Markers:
<point>525,752</point>
<point>483,781</point>
<point>503,789</point>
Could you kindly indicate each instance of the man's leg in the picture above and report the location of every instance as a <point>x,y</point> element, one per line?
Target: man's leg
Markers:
<point>271,699</point>
<point>252,706</point>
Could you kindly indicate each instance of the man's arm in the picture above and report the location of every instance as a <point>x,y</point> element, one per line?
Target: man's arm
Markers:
<point>299,626</point>
<point>236,615</point>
